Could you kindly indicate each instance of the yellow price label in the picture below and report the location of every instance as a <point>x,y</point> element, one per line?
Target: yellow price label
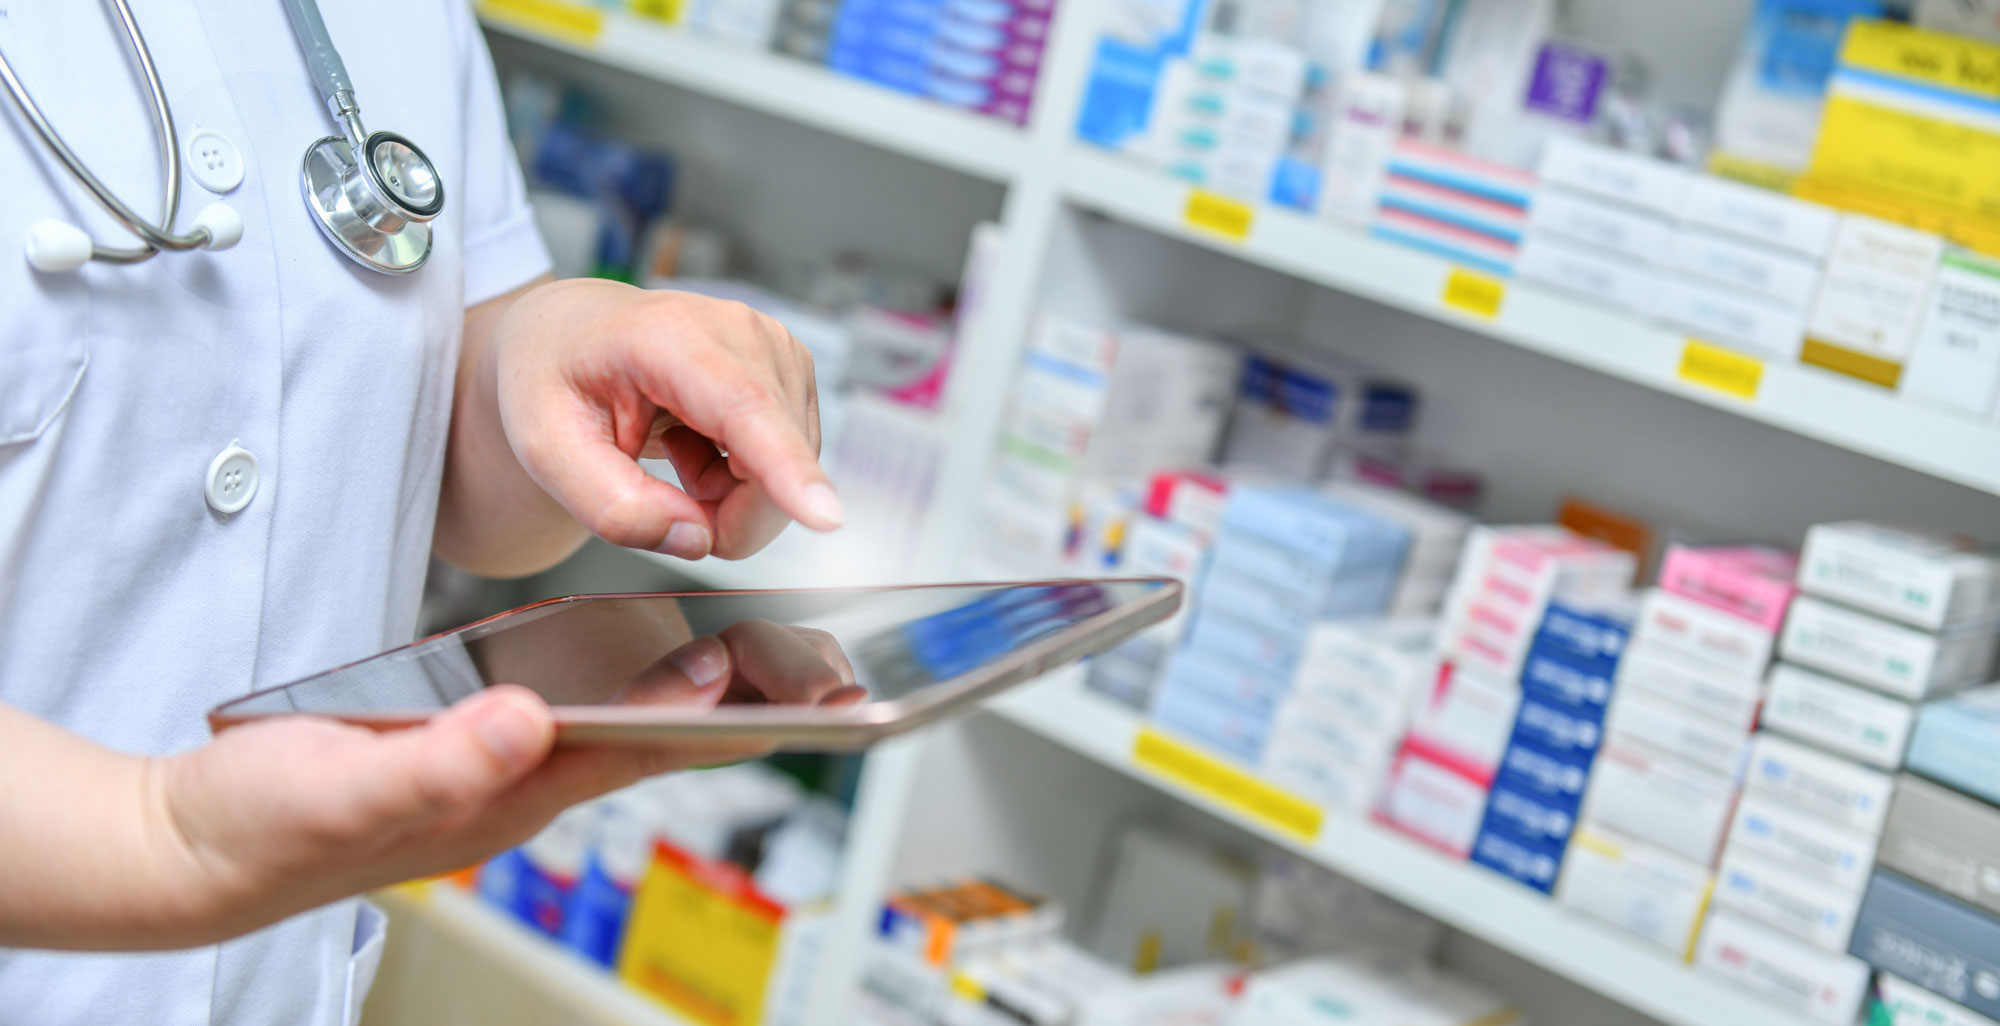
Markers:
<point>1234,788</point>
<point>665,11</point>
<point>1226,217</point>
<point>1723,370</point>
<point>1471,292</point>
<point>573,21</point>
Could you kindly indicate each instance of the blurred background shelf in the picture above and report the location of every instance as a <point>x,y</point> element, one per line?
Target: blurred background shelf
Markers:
<point>1460,894</point>
<point>1804,400</point>
<point>453,959</point>
<point>792,89</point>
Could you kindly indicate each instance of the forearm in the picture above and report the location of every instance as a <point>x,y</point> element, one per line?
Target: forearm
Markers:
<point>493,519</point>
<point>87,853</point>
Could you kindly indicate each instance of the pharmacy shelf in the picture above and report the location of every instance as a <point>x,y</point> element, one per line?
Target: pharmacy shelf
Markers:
<point>1801,399</point>
<point>588,994</point>
<point>795,90</point>
<point>1461,894</point>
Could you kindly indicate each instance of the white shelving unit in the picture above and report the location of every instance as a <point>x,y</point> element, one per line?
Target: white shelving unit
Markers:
<point>1048,180</point>
<point>1463,895</point>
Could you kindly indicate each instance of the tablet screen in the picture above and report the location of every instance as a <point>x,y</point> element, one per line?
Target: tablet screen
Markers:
<point>734,651</point>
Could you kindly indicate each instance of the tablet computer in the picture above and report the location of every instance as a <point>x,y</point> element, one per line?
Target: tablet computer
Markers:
<point>814,669</point>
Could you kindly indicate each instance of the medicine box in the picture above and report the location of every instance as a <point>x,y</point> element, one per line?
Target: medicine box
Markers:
<point>1660,800</point>
<point>1466,723</point>
<point>1584,635</point>
<point>1221,725</point>
<point>1650,185</point>
<point>1649,892</point>
<point>1322,775</point>
<point>1219,634</point>
<point>1557,731</point>
<point>1887,656</point>
<point>1925,580</point>
<point>1518,860</point>
<point>1595,226</point>
<point>1823,786</point>
<point>1729,316</point>
<point>1356,723</point>
<point>1838,716</point>
<point>1957,743</point>
<point>1729,643</point>
<point>1826,985</point>
<point>1242,687</point>
<point>1956,362</point>
<point>1775,896</point>
<point>1730,699</point>
<point>1660,726</point>
<point>1781,278</point>
<point>1360,990</point>
<point>1454,205</point>
<point>1931,940</point>
<point>1321,530</point>
<point>1751,582</point>
<point>1769,217</point>
<point>1433,802</point>
<point>1944,840</point>
<point>1872,300</point>
<point>1193,499</point>
<point>1390,656</point>
<point>1902,1003</point>
<point>1544,777</point>
<point>1548,679</point>
<point>1604,278</point>
<point>1807,848</point>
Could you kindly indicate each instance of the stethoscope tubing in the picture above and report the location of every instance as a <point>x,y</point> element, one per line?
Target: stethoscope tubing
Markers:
<point>155,237</point>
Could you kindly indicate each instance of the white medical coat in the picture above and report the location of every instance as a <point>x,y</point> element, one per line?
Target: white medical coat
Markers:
<point>127,606</point>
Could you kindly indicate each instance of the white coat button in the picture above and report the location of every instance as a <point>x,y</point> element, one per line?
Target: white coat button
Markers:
<point>232,479</point>
<point>215,162</point>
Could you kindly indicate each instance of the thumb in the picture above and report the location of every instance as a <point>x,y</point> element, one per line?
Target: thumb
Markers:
<point>457,762</point>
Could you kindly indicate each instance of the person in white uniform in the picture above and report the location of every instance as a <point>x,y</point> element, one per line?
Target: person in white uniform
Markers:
<point>223,469</point>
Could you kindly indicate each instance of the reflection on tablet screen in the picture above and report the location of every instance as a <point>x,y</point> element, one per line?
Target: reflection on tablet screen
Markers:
<point>786,648</point>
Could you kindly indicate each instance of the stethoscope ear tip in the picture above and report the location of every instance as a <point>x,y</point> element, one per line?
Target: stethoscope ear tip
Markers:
<point>57,247</point>
<point>223,224</point>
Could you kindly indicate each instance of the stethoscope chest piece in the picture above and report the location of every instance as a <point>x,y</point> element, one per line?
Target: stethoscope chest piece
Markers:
<point>374,209</point>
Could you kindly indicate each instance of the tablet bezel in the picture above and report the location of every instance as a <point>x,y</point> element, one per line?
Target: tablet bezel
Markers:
<point>816,727</point>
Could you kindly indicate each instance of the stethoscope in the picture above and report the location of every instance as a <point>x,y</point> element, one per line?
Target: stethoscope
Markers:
<point>374,209</point>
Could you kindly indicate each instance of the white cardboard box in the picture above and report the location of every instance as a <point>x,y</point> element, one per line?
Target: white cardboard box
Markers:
<point>1838,716</point>
<point>1655,723</point>
<point>1783,278</point>
<point>1603,277</point>
<point>1956,363</point>
<point>1826,985</point>
<point>1827,787</point>
<point>1730,699</point>
<point>1643,182</point>
<point>1753,213</point>
<point>1580,218</point>
<point>1730,643</point>
<point>1807,847</point>
<point>1887,656</point>
<point>1654,894</point>
<point>1660,800</point>
<point>1780,898</point>
<point>1876,288</point>
<point>1734,318</point>
<point>1925,580</point>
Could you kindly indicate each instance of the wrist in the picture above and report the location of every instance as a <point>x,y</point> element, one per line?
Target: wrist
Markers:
<point>192,890</point>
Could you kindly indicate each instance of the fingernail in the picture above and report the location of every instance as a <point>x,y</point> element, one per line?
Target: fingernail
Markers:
<point>703,662</point>
<point>508,731</point>
<point>824,505</point>
<point>687,541</point>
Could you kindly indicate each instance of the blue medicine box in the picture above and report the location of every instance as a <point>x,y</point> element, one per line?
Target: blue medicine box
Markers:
<point>1957,743</point>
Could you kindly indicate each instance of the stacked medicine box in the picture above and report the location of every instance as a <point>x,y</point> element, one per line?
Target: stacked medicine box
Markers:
<point>1168,536</point>
<point>1728,262</point>
<point>1094,403</point>
<point>1676,739</point>
<point>1287,557</point>
<point>1565,689</point>
<point>981,55</point>
<point>1438,783</point>
<point>1931,914</point>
